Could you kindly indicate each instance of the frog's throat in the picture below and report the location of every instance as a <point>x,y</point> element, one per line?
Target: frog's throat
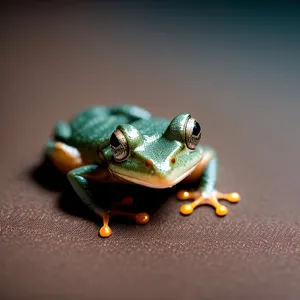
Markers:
<point>155,181</point>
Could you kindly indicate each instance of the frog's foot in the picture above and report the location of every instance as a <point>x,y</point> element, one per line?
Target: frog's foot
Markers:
<point>140,218</point>
<point>105,230</point>
<point>201,198</point>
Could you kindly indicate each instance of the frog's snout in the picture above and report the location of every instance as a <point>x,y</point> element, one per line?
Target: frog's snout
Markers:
<point>161,170</point>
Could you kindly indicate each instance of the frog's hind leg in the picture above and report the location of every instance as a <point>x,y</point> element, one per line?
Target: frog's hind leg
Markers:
<point>105,230</point>
<point>140,218</point>
<point>64,157</point>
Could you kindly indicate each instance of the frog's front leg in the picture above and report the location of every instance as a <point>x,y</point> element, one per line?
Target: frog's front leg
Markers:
<point>79,179</point>
<point>80,185</point>
<point>206,172</point>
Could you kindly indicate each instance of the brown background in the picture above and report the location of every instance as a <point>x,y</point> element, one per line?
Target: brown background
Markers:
<point>235,69</point>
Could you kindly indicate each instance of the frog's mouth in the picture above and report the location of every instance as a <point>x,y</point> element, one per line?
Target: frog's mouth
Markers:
<point>155,181</point>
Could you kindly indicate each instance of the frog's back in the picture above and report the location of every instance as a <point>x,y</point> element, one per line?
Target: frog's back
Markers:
<point>151,127</point>
<point>96,124</point>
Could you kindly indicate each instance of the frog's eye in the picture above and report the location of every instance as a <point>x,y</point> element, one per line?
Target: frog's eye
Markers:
<point>119,146</point>
<point>192,133</point>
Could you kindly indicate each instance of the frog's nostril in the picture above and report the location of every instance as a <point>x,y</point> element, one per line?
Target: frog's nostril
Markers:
<point>172,160</point>
<point>149,163</point>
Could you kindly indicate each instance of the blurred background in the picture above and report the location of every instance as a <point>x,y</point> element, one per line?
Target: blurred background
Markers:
<point>235,65</point>
<point>206,58</point>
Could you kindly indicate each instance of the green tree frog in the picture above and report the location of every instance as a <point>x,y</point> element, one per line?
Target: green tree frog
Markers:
<point>124,144</point>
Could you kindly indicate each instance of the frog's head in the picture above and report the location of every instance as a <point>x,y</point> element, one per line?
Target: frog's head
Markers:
<point>160,160</point>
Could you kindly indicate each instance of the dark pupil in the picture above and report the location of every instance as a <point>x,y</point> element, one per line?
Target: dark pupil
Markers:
<point>114,141</point>
<point>196,129</point>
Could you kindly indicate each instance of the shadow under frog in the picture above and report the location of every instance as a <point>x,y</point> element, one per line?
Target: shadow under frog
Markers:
<point>129,198</point>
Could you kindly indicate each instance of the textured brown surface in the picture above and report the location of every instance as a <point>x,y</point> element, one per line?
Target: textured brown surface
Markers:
<point>241,80</point>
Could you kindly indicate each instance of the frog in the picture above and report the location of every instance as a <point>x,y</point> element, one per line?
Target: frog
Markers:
<point>124,144</point>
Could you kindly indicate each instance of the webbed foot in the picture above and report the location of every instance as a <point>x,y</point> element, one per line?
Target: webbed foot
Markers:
<point>140,218</point>
<point>201,198</point>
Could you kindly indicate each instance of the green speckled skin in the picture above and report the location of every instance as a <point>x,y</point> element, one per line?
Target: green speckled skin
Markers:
<point>91,129</point>
<point>158,155</point>
<point>159,139</point>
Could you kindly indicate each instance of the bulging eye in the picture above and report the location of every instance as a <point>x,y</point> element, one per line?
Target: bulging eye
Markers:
<point>119,146</point>
<point>192,134</point>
